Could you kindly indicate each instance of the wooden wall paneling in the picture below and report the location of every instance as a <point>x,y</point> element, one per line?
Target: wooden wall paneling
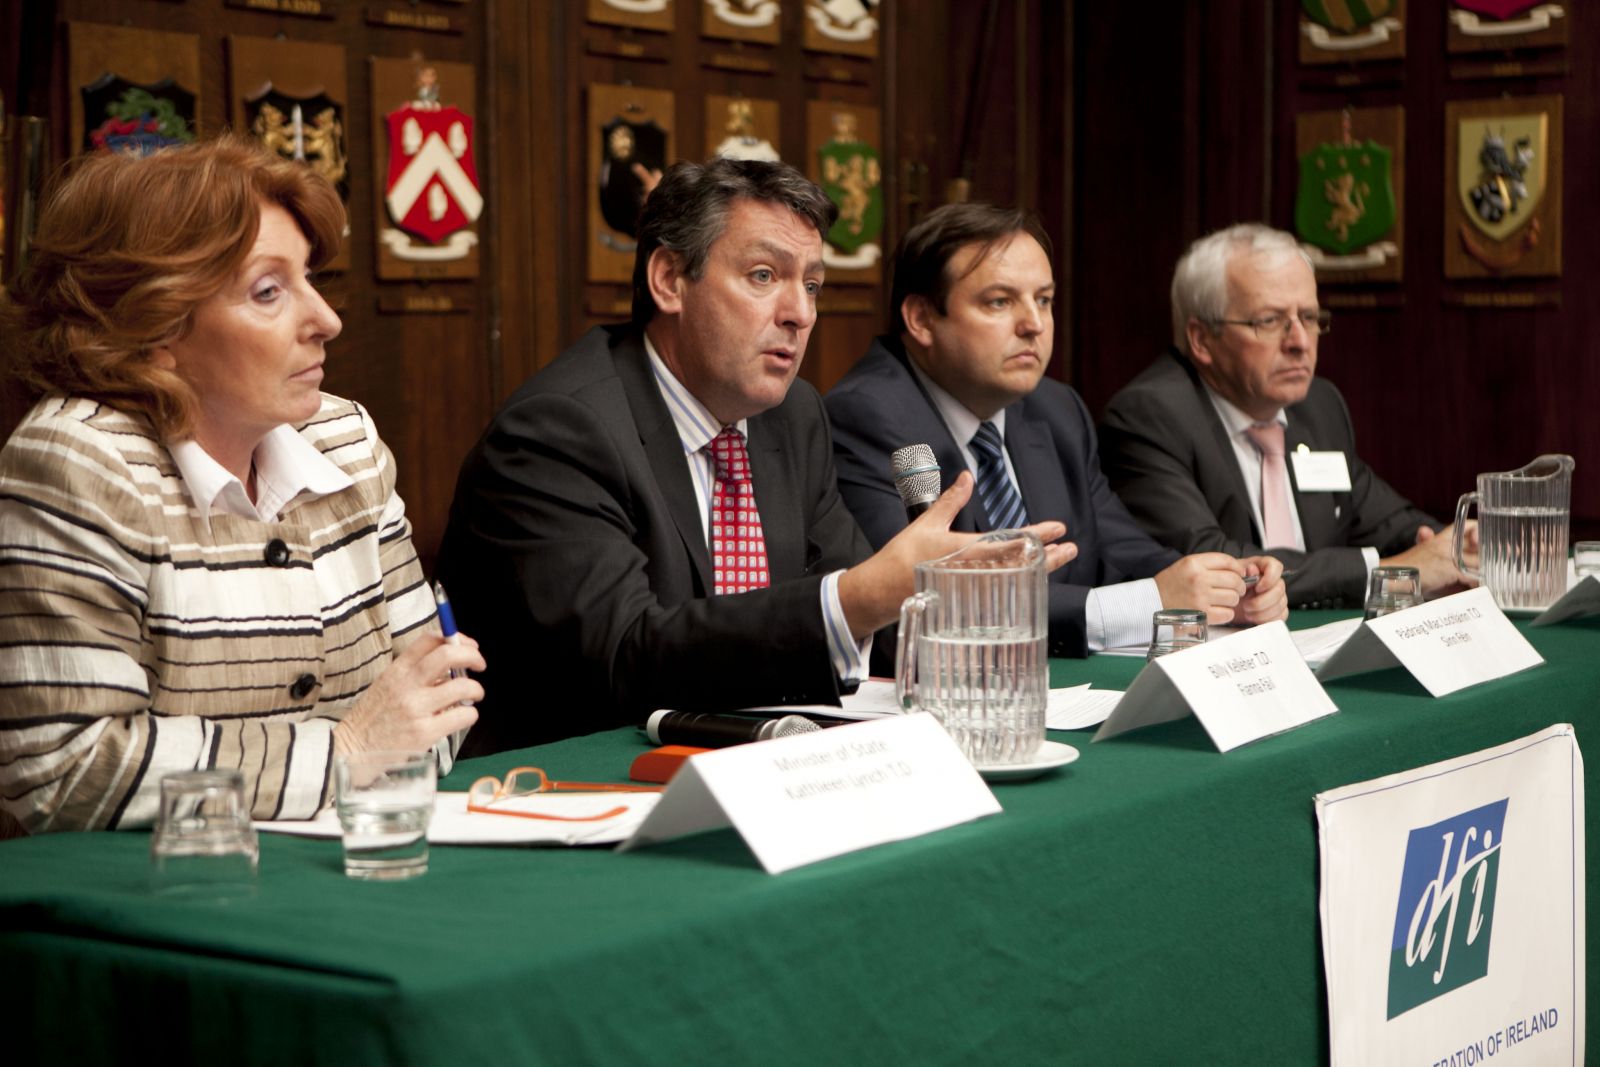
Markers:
<point>695,67</point>
<point>642,14</point>
<point>851,310</point>
<point>268,76</point>
<point>757,21</point>
<point>1056,161</point>
<point>627,127</point>
<point>435,374</point>
<point>527,159</point>
<point>167,64</point>
<point>623,58</point>
<point>1460,379</point>
<point>1010,89</point>
<point>1350,145</point>
<point>1526,241</point>
<point>1140,142</point>
<point>843,155</point>
<point>917,121</point>
<point>1235,57</point>
<point>1445,379</point>
<point>1449,378</point>
<point>20,59</point>
<point>425,122</point>
<point>835,28</point>
<point>742,127</point>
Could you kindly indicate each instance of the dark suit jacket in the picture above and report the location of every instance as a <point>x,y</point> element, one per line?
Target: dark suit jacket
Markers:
<point>1168,456</point>
<point>575,555</point>
<point>880,406</point>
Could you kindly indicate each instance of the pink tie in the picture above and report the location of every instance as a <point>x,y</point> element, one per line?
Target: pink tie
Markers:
<point>1275,513</point>
<point>738,551</point>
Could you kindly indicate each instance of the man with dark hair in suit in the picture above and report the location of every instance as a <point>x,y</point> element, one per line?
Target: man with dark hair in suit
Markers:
<point>963,372</point>
<point>652,520</point>
<point>1230,443</point>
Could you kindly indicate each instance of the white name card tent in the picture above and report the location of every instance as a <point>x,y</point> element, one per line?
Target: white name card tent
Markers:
<point>1248,685</point>
<point>796,800</point>
<point>1447,644</point>
<point>1452,908</point>
<point>1582,598</point>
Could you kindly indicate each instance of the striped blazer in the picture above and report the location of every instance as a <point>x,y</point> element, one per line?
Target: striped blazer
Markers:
<point>137,639</point>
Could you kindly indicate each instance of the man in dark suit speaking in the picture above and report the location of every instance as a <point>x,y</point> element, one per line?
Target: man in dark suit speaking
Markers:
<point>972,295</point>
<point>652,521</point>
<point>1230,443</point>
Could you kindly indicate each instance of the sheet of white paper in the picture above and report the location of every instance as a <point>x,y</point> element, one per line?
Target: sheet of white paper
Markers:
<point>876,699</point>
<point>873,700</point>
<point>453,824</point>
<point>1321,642</point>
<point>1361,652</point>
<point>1080,707</point>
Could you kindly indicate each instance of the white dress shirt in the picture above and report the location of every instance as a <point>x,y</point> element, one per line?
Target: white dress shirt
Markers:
<point>287,465</point>
<point>696,429</point>
<point>1113,615</point>
<point>1236,422</point>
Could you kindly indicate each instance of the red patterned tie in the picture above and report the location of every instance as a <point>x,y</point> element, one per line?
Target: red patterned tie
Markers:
<point>738,551</point>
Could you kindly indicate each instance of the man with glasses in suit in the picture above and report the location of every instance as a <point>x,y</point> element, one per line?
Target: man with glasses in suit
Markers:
<point>1229,442</point>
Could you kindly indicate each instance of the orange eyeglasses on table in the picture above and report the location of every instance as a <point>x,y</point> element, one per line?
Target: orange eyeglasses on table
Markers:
<point>529,781</point>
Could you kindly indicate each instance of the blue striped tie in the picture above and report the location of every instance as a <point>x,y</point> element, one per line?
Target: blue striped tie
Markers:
<point>999,496</point>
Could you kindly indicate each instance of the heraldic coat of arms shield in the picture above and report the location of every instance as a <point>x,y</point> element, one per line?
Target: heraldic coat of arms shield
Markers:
<point>1346,199</point>
<point>431,190</point>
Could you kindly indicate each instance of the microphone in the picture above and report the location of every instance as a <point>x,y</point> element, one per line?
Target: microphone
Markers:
<point>710,730</point>
<point>916,475</point>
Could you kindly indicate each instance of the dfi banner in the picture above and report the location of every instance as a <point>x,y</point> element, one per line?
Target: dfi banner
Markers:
<point>1452,910</point>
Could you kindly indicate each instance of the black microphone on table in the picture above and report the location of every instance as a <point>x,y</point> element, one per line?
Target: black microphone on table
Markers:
<point>916,475</point>
<point>713,730</point>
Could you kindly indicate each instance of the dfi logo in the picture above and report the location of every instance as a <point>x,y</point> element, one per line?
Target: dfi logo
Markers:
<point>1446,909</point>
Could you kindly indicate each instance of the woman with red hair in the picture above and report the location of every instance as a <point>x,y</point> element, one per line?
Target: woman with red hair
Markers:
<point>203,562</point>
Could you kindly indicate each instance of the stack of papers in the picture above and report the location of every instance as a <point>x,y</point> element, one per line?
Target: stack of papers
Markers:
<point>1317,644</point>
<point>1078,707</point>
<point>1073,708</point>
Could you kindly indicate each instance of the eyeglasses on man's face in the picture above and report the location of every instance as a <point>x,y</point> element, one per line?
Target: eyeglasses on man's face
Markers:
<point>1275,324</point>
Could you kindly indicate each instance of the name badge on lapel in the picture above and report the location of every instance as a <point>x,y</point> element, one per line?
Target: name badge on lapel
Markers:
<point>1320,472</point>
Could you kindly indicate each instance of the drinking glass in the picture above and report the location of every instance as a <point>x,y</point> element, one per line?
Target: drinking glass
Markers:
<point>1175,629</point>
<point>1586,559</point>
<point>203,845</point>
<point>1392,589</point>
<point>385,800</point>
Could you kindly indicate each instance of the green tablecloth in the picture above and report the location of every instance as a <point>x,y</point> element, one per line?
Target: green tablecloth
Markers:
<point>1154,902</point>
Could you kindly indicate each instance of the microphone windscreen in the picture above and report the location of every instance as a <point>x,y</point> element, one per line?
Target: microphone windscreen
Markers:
<point>916,476</point>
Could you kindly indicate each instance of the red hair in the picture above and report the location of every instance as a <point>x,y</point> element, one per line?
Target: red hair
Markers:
<point>128,248</point>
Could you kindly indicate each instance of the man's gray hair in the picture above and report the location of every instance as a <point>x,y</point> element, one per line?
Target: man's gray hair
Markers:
<point>688,211</point>
<point>1200,282</point>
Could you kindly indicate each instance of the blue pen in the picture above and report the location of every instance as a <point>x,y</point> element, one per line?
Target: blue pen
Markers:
<point>447,623</point>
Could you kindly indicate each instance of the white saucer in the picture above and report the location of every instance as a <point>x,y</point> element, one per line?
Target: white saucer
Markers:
<point>1051,754</point>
